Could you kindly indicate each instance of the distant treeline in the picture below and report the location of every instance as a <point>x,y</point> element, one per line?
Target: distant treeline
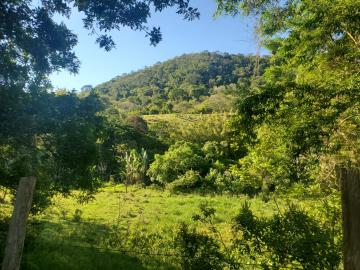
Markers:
<point>200,82</point>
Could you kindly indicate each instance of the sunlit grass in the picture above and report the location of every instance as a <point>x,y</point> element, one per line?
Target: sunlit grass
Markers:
<point>71,235</point>
<point>149,208</point>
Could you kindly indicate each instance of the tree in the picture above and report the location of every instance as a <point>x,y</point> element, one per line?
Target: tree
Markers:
<point>33,45</point>
<point>313,77</point>
<point>311,84</point>
<point>40,45</point>
<point>41,134</point>
<point>52,136</point>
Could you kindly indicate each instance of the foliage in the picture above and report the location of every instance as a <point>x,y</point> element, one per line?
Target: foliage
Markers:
<point>197,250</point>
<point>34,44</point>
<point>319,32</point>
<point>180,158</point>
<point>135,166</point>
<point>200,82</point>
<point>269,161</point>
<point>288,119</point>
<point>57,142</point>
<point>292,238</point>
<point>188,182</point>
<point>120,134</point>
<point>132,230</point>
<point>230,181</point>
<point>295,122</point>
<point>203,128</point>
<point>342,148</point>
<point>58,137</point>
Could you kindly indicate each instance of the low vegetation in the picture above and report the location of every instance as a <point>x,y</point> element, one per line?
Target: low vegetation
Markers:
<point>147,228</point>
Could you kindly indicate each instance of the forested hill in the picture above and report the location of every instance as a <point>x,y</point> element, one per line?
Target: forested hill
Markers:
<point>200,82</point>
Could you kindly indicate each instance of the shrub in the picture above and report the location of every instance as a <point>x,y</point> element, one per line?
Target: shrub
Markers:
<point>292,238</point>
<point>198,251</point>
<point>230,181</point>
<point>180,158</point>
<point>218,180</point>
<point>186,183</point>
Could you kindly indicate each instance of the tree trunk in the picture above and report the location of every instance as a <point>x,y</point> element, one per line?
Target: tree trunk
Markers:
<point>17,226</point>
<point>350,197</point>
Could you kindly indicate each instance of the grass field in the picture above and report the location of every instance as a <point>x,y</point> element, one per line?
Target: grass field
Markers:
<point>180,119</point>
<point>173,117</point>
<point>119,230</point>
<point>198,128</point>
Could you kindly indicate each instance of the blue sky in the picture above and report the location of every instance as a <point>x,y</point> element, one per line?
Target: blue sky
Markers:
<point>133,50</point>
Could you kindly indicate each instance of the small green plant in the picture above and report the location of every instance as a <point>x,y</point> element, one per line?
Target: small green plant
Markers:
<point>77,215</point>
<point>205,249</point>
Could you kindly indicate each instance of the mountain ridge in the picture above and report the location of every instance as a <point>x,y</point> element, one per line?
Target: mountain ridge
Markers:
<point>191,83</point>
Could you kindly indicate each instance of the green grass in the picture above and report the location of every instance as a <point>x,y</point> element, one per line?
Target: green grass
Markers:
<point>149,208</point>
<point>171,117</point>
<point>119,230</point>
<point>179,119</point>
<point>197,128</point>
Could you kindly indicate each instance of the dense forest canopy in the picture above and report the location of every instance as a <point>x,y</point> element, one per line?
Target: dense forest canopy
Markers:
<point>200,82</point>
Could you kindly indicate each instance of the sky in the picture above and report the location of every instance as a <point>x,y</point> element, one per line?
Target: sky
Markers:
<point>133,50</point>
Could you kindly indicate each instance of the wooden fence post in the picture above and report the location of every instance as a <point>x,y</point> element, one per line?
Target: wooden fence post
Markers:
<point>17,226</point>
<point>350,197</point>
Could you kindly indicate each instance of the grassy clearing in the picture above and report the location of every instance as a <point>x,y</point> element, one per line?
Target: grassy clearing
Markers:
<point>151,209</point>
<point>179,118</point>
<point>171,117</point>
<point>118,230</point>
<point>145,208</point>
<point>197,128</point>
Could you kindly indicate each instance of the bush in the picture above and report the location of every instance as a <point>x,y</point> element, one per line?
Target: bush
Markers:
<point>180,158</point>
<point>198,251</point>
<point>218,180</point>
<point>292,238</point>
<point>186,183</point>
<point>230,181</point>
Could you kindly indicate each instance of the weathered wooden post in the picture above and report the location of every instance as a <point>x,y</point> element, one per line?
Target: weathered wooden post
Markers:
<point>350,197</point>
<point>17,227</point>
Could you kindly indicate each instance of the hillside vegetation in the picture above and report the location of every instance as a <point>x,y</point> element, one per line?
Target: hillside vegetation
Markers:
<point>200,82</point>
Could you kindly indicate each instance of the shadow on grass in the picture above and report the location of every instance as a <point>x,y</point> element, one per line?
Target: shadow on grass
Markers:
<point>73,246</point>
<point>50,256</point>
